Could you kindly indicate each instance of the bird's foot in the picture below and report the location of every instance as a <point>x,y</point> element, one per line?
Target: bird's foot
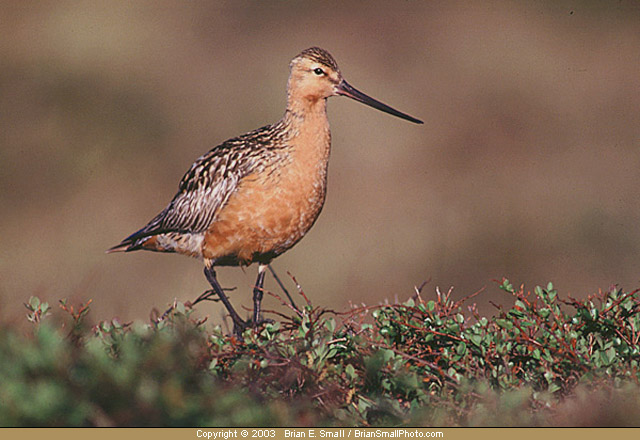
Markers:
<point>239,326</point>
<point>255,323</point>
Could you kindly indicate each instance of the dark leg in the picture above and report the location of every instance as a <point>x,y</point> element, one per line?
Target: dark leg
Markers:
<point>238,324</point>
<point>257,295</point>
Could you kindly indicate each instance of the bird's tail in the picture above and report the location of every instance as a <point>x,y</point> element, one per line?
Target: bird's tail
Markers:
<point>122,247</point>
<point>131,243</point>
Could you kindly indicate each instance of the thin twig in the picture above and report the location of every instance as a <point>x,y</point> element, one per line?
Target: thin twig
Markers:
<point>299,287</point>
<point>418,290</point>
<point>204,296</point>
<point>286,292</point>
<point>468,297</point>
<point>284,303</point>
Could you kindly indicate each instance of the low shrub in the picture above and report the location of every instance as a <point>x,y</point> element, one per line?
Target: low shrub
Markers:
<point>546,361</point>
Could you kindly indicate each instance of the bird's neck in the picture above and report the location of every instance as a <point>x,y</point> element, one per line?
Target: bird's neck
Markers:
<point>308,124</point>
<point>309,137</point>
<point>304,109</point>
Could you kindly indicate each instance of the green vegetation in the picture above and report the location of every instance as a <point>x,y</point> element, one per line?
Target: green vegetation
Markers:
<point>545,361</point>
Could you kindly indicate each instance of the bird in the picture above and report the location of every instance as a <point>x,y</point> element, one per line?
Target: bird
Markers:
<point>253,197</point>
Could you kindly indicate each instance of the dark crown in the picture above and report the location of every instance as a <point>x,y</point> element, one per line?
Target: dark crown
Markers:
<point>319,55</point>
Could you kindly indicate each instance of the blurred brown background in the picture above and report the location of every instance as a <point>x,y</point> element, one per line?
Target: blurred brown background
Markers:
<point>527,166</point>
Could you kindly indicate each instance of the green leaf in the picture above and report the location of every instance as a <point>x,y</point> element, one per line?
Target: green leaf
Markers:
<point>387,355</point>
<point>506,324</point>
<point>350,372</point>
<point>506,286</point>
<point>431,305</point>
<point>611,355</point>
<point>536,354</point>
<point>34,302</point>
<point>476,339</point>
<point>330,324</point>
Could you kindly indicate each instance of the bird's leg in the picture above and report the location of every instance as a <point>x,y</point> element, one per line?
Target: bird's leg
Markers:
<point>257,295</point>
<point>238,324</point>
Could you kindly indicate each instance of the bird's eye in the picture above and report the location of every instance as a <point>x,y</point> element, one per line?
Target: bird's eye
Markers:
<point>318,71</point>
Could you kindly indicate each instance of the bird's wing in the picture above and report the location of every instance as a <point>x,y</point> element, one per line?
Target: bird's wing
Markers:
<point>203,190</point>
<point>209,183</point>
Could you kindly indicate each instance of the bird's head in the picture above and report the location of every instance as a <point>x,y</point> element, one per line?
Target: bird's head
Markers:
<point>315,76</point>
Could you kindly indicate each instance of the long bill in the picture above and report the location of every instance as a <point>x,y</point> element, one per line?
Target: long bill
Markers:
<point>345,89</point>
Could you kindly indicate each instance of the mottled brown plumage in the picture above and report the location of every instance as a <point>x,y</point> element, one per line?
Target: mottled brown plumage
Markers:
<point>253,197</point>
